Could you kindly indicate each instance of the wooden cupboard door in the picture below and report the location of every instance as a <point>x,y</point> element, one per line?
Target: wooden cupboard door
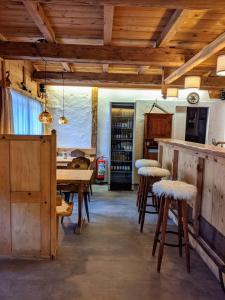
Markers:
<point>25,165</point>
<point>158,126</point>
<point>5,214</point>
<point>30,183</point>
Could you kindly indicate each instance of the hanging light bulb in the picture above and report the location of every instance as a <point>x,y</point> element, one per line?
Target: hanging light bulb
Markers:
<point>63,120</point>
<point>45,116</point>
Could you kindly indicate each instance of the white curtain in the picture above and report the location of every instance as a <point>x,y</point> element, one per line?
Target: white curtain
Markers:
<point>25,111</point>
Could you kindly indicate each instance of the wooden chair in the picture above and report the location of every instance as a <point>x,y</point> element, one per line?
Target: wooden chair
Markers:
<point>81,163</point>
<point>77,153</point>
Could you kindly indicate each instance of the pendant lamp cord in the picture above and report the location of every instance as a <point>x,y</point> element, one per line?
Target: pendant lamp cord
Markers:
<point>63,93</point>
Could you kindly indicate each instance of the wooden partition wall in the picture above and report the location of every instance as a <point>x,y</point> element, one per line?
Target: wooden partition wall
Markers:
<point>28,195</point>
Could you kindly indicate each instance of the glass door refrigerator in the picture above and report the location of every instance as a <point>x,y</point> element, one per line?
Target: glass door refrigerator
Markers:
<point>121,161</point>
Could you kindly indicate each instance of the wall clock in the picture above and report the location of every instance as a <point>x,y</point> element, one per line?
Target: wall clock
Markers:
<point>193,98</point>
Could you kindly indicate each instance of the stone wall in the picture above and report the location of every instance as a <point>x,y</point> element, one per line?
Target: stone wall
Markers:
<point>77,133</point>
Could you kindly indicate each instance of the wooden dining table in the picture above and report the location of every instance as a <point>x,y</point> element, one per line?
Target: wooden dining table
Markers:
<point>81,178</point>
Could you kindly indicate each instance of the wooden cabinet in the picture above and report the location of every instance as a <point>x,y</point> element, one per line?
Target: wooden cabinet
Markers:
<point>156,125</point>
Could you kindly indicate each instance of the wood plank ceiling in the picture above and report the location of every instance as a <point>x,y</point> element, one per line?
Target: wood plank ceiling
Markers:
<point>176,31</point>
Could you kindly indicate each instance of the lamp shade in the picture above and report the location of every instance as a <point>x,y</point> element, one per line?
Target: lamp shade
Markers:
<point>220,67</point>
<point>45,117</point>
<point>63,120</point>
<point>192,82</point>
<point>172,92</point>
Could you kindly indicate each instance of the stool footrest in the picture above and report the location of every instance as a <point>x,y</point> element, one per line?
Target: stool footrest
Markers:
<point>169,244</point>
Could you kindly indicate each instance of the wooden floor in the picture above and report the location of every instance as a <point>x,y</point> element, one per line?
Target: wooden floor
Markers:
<point>111,260</point>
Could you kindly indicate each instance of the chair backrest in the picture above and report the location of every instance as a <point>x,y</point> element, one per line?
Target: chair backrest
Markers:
<point>77,153</point>
<point>81,163</point>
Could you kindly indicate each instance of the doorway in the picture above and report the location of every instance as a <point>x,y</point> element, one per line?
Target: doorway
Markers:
<point>196,124</point>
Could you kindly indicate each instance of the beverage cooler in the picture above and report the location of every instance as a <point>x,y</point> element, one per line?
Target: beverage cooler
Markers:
<point>121,166</point>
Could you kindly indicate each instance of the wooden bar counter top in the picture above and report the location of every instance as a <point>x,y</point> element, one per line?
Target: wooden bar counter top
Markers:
<point>203,166</point>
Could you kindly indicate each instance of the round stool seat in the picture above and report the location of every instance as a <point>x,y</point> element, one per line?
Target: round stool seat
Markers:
<point>146,163</point>
<point>178,190</point>
<point>153,172</point>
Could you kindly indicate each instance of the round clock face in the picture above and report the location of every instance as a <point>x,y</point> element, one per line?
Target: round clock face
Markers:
<point>193,98</point>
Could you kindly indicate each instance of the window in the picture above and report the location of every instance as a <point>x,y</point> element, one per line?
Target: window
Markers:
<point>25,114</point>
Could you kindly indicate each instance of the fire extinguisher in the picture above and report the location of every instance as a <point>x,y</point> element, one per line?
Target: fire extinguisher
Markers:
<point>100,168</point>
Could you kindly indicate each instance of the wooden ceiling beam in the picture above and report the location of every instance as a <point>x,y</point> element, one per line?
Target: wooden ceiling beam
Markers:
<point>108,23</point>
<point>150,81</point>
<point>171,4</point>
<point>93,54</point>
<point>97,78</point>
<point>208,51</point>
<point>37,14</point>
<point>171,28</point>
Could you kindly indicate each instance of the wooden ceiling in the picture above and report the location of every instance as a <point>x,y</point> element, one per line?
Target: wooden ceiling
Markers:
<point>133,37</point>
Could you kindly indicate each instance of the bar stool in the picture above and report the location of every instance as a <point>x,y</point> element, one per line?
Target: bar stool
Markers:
<point>180,192</point>
<point>148,176</point>
<point>144,163</point>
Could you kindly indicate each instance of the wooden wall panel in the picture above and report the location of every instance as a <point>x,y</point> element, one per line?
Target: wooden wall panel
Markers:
<point>207,196</point>
<point>25,165</point>
<point>167,158</point>
<point>25,228</point>
<point>5,217</point>
<point>187,167</point>
<point>218,203</point>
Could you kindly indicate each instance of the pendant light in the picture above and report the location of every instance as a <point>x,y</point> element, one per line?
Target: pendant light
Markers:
<point>63,120</point>
<point>172,92</point>
<point>220,67</point>
<point>192,82</point>
<point>45,117</point>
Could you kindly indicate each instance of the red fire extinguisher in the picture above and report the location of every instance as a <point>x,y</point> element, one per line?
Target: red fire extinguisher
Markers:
<point>100,168</point>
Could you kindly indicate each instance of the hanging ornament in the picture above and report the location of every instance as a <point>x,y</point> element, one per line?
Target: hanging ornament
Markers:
<point>45,116</point>
<point>63,120</point>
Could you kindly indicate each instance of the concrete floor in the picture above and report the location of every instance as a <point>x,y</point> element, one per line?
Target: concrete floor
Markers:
<point>111,260</point>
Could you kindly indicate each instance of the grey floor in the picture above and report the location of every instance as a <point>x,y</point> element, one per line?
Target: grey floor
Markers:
<point>111,260</point>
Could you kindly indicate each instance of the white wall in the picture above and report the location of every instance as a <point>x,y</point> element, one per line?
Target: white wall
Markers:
<point>77,133</point>
<point>144,100</point>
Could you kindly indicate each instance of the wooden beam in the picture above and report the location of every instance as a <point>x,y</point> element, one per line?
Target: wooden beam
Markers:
<point>93,54</point>
<point>95,79</point>
<point>94,97</point>
<point>171,28</point>
<point>171,4</point>
<point>108,23</point>
<point>142,69</point>
<point>209,50</point>
<point>92,78</point>
<point>37,14</point>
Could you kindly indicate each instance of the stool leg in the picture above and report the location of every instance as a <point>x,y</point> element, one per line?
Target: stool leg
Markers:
<point>144,204</point>
<point>163,236</point>
<point>138,193</point>
<point>86,206</point>
<point>158,226</point>
<point>141,200</point>
<point>186,239</point>
<point>180,229</point>
<point>141,185</point>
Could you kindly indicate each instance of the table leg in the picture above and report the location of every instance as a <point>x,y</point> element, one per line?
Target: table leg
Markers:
<point>80,208</point>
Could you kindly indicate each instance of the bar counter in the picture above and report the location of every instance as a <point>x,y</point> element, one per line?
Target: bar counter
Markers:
<point>204,167</point>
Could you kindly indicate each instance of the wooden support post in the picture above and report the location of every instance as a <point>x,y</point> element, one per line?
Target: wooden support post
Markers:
<point>198,203</point>
<point>94,117</point>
